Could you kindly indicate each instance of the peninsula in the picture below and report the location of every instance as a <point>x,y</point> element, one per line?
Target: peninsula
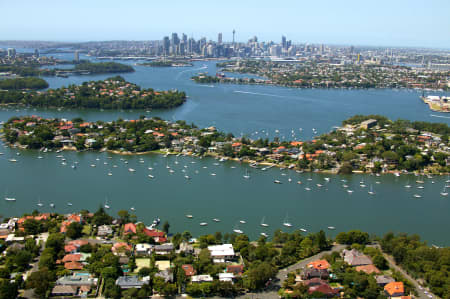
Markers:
<point>362,144</point>
<point>112,93</point>
<point>323,74</point>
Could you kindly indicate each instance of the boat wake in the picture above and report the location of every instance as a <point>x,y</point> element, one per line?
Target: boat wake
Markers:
<point>259,94</point>
<point>441,116</point>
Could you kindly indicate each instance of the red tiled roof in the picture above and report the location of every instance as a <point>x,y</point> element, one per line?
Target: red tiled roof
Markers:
<point>236,269</point>
<point>395,287</point>
<point>153,233</point>
<point>319,264</point>
<point>70,248</point>
<point>71,257</point>
<point>188,270</point>
<point>369,269</point>
<point>129,228</point>
<point>73,266</point>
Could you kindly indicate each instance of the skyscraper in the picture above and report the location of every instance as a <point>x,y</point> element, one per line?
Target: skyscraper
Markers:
<point>76,56</point>
<point>11,52</point>
<point>166,45</point>
<point>219,38</point>
<point>234,31</point>
<point>175,40</point>
<point>283,42</point>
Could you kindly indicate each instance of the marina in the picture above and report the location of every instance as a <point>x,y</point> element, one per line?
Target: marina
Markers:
<point>226,199</point>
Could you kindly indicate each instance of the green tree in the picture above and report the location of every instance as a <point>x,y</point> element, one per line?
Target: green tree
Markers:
<point>74,230</point>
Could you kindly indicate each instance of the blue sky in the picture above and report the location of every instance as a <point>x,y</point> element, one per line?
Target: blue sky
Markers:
<point>410,23</point>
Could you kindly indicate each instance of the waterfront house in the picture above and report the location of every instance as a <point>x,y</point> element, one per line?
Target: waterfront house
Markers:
<point>129,228</point>
<point>158,236</point>
<point>104,230</point>
<point>221,253</point>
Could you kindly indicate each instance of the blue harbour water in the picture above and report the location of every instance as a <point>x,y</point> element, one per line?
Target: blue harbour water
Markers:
<point>255,111</point>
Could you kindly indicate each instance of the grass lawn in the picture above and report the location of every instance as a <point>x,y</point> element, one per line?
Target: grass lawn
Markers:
<point>87,230</point>
<point>141,263</point>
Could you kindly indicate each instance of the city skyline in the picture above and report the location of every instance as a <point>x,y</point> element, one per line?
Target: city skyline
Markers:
<point>399,24</point>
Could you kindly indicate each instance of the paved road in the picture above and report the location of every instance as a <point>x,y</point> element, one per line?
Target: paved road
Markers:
<point>420,290</point>
<point>282,274</point>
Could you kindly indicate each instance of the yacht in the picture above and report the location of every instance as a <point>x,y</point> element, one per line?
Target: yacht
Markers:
<point>319,185</point>
<point>242,221</point>
<point>263,223</point>
<point>132,209</point>
<point>286,222</point>
<point>40,204</point>
<point>203,224</point>
<point>238,231</point>
<point>213,174</point>
<point>417,196</point>
<point>92,165</point>
<point>150,176</point>
<point>69,204</point>
<point>371,191</point>
<point>52,205</point>
<point>331,228</point>
<point>307,189</point>
<point>110,173</point>
<point>187,177</point>
<point>12,160</point>
<point>106,205</point>
<point>10,199</point>
<point>277,182</point>
<point>444,191</point>
<point>350,191</point>
<point>264,235</point>
<point>131,169</point>
<point>216,220</point>
<point>246,176</point>
<point>327,179</point>
<point>189,216</point>
<point>303,230</point>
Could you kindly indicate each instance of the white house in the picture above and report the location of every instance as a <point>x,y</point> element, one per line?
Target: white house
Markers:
<point>201,278</point>
<point>221,253</point>
<point>143,249</point>
<point>226,277</point>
